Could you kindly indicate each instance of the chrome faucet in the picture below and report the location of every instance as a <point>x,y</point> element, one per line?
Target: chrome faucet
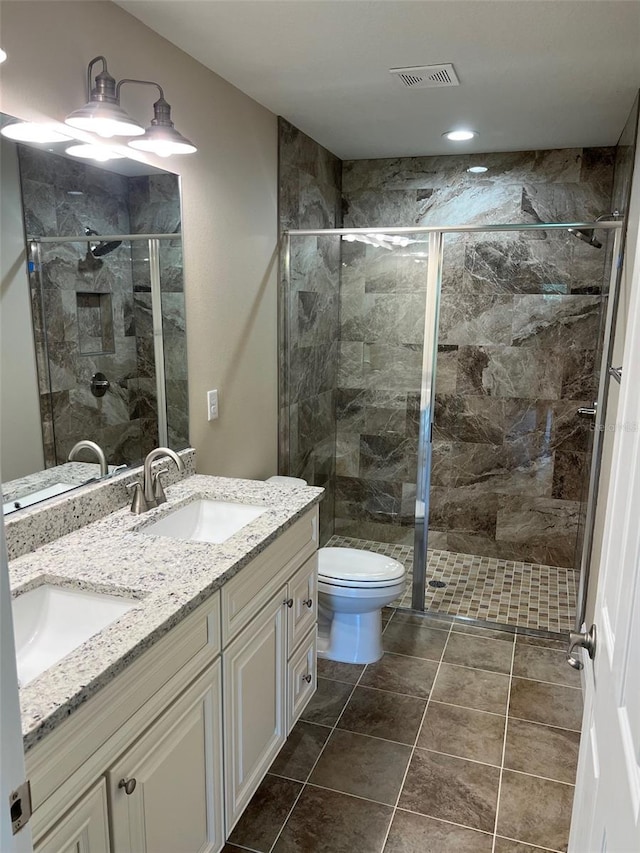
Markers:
<point>90,445</point>
<point>150,492</point>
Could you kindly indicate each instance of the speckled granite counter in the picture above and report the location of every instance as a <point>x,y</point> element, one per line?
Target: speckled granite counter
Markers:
<point>170,577</point>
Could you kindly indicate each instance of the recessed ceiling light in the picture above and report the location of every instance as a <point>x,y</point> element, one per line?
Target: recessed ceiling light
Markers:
<point>94,152</point>
<point>460,135</point>
<point>477,170</point>
<point>32,131</point>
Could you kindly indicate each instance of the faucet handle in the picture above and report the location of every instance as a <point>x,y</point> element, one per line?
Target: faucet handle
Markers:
<point>138,503</point>
<point>158,488</point>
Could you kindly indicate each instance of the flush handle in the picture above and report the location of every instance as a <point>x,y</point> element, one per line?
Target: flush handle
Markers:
<point>129,785</point>
<point>586,640</point>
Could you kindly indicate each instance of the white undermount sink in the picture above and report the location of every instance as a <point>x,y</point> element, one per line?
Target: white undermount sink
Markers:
<point>51,621</point>
<point>205,521</point>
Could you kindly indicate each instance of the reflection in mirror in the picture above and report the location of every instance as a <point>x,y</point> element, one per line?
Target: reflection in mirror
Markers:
<point>93,330</point>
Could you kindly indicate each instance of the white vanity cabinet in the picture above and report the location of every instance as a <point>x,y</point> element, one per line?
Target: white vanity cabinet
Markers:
<point>165,791</point>
<point>85,829</point>
<point>165,758</point>
<point>270,658</point>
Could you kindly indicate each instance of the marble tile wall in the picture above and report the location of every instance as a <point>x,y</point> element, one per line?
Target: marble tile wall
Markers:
<point>62,197</point>
<point>310,197</point>
<point>519,324</point>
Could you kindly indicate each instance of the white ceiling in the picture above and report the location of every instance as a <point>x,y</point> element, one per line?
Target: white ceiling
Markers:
<point>534,73</point>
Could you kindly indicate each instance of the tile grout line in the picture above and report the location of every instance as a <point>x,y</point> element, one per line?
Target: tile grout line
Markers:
<point>406,772</point>
<point>504,751</point>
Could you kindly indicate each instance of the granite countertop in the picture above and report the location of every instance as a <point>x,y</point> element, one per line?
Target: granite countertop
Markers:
<point>170,578</point>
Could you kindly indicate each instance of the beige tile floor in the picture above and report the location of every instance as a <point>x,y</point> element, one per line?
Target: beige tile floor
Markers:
<point>507,592</point>
<point>460,740</point>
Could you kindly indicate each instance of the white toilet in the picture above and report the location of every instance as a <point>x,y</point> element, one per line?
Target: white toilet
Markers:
<point>353,587</point>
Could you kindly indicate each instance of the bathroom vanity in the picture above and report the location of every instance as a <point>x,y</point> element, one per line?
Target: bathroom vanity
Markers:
<point>155,733</point>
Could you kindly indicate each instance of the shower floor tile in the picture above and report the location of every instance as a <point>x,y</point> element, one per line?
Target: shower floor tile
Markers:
<point>507,592</point>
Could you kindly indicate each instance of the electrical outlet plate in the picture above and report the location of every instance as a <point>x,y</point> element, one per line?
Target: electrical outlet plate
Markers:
<point>212,405</point>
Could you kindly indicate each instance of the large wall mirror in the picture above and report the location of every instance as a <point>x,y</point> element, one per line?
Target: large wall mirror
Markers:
<point>92,314</point>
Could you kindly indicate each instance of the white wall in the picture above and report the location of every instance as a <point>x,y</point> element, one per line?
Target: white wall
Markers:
<point>20,431</point>
<point>229,193</point>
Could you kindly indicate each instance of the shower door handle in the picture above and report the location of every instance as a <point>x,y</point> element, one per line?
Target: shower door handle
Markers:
<point>588,411</point>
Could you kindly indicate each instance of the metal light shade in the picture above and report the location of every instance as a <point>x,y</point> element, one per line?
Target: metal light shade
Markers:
<point>103,114</point>
<point>161,137</point>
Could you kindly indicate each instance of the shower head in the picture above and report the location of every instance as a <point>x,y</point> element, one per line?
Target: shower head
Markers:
<point>586,235</point>
<point>104,247</point>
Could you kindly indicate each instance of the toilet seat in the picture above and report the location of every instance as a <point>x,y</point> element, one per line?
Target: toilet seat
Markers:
<point>354,568</point>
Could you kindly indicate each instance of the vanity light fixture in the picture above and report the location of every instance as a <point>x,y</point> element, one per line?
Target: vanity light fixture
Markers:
<point>461,135</point>
<point>89,151</point>
<point>160,137</point>
<point>478,170</point>
<point>33,131</point>
<point>3,55</point>
<point>103,114</point>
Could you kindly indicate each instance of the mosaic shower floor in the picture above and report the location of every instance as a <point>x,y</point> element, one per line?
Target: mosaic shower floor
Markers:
<point>507,592</point>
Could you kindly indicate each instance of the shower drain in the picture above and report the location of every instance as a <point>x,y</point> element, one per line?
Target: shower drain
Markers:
<point>437,584</point>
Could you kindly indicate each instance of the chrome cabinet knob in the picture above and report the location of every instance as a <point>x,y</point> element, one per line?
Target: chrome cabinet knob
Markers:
<point>586,641</point>
<point>129,785</point>
<point>288,602</point>
<point>307,678</point>
<point>308,602</point>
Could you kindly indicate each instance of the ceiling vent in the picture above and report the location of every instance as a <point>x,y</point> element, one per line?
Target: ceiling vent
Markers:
<point>426,76</point>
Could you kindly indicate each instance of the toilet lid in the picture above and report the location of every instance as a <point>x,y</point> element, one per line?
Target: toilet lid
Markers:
<point>352,564</point>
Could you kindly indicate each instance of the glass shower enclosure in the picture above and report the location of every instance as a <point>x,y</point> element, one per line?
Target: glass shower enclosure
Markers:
<point>440,384</point>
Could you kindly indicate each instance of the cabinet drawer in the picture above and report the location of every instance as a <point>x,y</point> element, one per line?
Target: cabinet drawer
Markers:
<point>85,829</point>
<point>301,679</point>
<point>245,594</point>
<point>303,591</point>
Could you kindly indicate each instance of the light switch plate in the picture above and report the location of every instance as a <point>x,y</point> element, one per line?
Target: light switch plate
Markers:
<point>212,405</point>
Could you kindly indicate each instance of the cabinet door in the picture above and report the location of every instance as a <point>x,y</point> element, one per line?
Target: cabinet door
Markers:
<point>303,589</point>
<point>85,828</point>
<point>301,678</point>
<point>254,672</point>
<point>175,805</point>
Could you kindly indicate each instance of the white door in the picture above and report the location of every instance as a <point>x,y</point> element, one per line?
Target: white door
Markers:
<point>11,753</point>
<point>606,812</point>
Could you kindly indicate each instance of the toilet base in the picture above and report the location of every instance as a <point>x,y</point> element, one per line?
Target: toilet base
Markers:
<point>351,637</point>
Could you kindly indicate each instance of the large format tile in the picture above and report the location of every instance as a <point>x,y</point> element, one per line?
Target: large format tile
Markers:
<point>266,813</point>
<point>414,640</point>
<point>327,703</point>
<point>478,653</point>
<point>400,674</point>
<point>383,715</point>
<point>507,845</point>
<point>328,822</point>
<point>471,688</point>
<point>466,733</point>
<point>483,633</point>
<point>453,789</point>
<point>300,751</point>
<point>534,810</point>
<point>544,665</point>
<point>542,750</point>
<point>361,765</point>
<point>336,671</point>
<point>552,704</point>
<point>413,832</point>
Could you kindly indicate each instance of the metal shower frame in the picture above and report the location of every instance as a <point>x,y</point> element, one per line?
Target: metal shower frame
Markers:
<point>429,364</point>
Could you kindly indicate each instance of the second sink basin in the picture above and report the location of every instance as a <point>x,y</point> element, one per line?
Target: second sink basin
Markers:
<point>50,621</point>
<point>205,521</point>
